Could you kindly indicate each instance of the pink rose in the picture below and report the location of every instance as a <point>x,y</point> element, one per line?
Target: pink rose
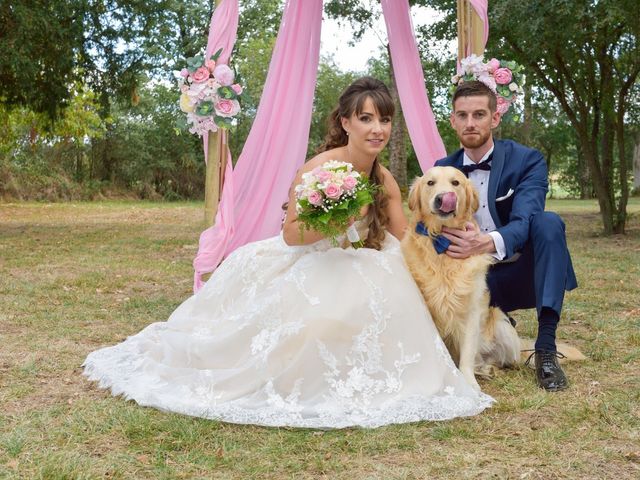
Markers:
<point>333,191</point>
<point>503,105</point>
<point>211,65</point>
<point>315,198</point>
<point>184,73</point>
<point>493,65</point>
<point>503,76</point>
<point>201,75</point>
<point>237,88</point>
<point>223,74</point>
<point>323,175</point>
<point>349,183</point>
<point>227,108</point>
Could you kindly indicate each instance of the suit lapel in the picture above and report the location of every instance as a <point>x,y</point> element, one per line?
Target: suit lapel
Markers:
<point>458,159</point>
<point>497,164</point>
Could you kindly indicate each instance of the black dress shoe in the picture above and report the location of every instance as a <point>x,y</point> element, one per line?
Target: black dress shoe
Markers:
<point>549,374</point>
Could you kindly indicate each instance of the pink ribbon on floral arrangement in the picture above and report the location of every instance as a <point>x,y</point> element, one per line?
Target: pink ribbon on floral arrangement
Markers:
<point>223,32</point>
<point>409,76</point>
<point>481,7</point>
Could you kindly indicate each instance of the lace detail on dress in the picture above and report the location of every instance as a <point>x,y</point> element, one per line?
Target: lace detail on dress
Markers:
<point>298,277</point>
<point>269,338</point>
<point>311,336</point>
<point>444,355</point>
<point>363,376</point>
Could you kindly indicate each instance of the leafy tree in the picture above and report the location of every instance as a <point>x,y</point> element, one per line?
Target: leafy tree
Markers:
<point>40,42</point>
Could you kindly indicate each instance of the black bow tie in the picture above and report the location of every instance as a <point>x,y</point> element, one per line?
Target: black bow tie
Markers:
<point>486,165</point>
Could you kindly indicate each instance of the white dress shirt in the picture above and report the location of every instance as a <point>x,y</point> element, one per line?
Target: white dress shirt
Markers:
<point>480,180</point>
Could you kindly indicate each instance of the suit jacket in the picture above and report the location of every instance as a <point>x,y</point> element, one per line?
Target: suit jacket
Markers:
<point>523,172</point>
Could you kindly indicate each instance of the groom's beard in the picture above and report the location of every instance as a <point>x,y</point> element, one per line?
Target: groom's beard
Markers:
<point>475,141</point>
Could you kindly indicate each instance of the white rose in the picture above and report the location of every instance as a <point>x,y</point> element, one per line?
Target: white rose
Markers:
<point>513,87</point>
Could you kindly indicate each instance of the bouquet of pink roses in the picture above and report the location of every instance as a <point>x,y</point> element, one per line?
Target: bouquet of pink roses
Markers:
<point>209,96</point>
<point>329,197</point>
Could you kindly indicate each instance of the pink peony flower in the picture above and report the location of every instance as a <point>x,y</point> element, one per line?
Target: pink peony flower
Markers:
<point>211,65</point>
<point>333,191</point>
<point>201,75</point>
<point>503,76</point>
<point>503,105</point>
<point>488,80</point>
<point>184,73</point>
<point>315,198</point>
<point>224,75</point>
<point>349,183</point>
<point>237,88</point>
<point>493,65</point>
<point>227,108</point>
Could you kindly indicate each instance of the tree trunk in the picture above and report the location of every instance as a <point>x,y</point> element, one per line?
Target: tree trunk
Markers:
<point>549,154</point>
<point>397,150</point>
<point>586,190</point>
<point>636,164</point>
<point>599,182</point>
<point>620,219</point>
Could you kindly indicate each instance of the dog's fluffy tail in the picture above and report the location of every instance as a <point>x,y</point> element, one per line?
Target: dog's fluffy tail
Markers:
<point>571,354</point>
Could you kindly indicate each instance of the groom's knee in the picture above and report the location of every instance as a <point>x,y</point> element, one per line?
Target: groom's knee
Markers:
<point>547,227</point>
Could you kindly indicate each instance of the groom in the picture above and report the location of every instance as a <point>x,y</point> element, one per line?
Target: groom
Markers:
<point>534,267</point>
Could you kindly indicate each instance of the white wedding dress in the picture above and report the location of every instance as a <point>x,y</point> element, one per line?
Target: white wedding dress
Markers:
<point>310,336</point>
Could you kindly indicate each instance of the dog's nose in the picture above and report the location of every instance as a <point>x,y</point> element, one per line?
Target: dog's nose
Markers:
<point>445,202</point>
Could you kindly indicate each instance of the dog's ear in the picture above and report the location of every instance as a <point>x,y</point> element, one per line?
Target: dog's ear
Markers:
<point>414,195</point>
<point>473,201</point>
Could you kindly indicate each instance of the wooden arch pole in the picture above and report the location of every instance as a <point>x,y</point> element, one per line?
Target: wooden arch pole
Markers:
<point>470,31</point>
<point>216,163</point>
<point>214,179</point>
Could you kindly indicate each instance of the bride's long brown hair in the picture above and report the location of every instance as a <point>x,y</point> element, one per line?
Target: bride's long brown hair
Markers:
<point>352,101</point>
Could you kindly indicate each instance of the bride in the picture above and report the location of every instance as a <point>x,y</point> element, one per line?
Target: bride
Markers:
<point>291,331</point>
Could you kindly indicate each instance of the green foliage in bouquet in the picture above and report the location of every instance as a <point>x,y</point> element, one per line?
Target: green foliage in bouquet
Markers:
<point>334,217</point>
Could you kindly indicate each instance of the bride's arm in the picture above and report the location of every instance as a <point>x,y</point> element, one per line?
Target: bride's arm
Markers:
<point>397,219</point>
<point>291,226</point>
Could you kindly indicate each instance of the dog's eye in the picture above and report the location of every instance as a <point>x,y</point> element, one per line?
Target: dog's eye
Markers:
<point>431,182</point>
<point>455,183</point>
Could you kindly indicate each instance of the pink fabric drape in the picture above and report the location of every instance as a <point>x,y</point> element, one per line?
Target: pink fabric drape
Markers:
<point>481,7</point>
<point>276,147</point>
<point>223,31</point>
<point>411,86</point>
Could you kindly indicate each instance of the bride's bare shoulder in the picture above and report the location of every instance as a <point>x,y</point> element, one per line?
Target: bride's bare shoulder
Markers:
<point>333,154</point>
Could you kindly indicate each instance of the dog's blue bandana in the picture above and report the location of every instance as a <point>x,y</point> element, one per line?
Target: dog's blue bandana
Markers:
<point>440,243</point>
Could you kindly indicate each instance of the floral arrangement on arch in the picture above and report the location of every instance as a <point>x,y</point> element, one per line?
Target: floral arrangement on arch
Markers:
<point>505,79</point>
<point>210,98</point>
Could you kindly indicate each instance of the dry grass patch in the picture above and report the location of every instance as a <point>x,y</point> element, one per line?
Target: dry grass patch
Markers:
<point>75,277</point>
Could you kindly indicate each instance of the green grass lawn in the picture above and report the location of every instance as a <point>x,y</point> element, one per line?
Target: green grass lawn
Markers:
<point>75,277</point>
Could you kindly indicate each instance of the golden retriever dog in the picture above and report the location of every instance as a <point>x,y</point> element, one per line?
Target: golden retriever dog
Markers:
<point>455,290</point>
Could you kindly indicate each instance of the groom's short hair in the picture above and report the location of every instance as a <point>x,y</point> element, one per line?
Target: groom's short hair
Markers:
<point>475,88</point>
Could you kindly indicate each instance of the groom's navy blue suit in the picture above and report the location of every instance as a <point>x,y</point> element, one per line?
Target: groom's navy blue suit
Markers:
<point>537,268</point>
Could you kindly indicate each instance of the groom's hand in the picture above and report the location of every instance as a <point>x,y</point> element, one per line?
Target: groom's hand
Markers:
<point>468,242</point>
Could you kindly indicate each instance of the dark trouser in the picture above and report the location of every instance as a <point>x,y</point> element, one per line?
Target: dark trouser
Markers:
<point>541,275</point>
